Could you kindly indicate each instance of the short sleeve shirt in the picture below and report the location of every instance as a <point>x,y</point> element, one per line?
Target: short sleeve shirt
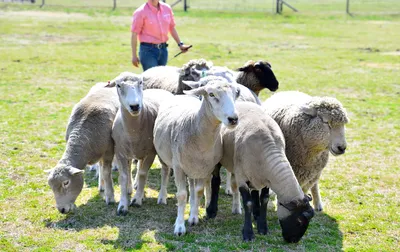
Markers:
<point>151,24</point>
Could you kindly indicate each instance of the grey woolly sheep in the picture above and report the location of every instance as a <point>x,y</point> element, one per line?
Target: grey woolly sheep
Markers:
<point>170,78</point>
<point>313,127</point>
<point>254,152</point>
<point>88,141</point>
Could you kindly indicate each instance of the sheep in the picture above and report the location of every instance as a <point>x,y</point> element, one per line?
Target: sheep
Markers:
<point>254,152</point>
<point>89,140</point>
<point>313,127</point>
<point>170,78</point>
<point>187,138</point>
<point>133,135</point>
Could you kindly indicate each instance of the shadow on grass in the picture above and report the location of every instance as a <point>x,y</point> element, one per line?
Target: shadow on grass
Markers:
<point>150,227</point>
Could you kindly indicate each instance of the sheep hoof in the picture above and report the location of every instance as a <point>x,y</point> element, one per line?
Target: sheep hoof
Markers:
<point>162,201</point>
<point>110,202</point>
<point>228,192</point>
<point>211,213</point>
<point>180,230</point>
<point>236,210</point>
<point>193,221</point>
<point>136,203</point>
<point>262,228</point>
<point>121,211</point>
<point>248,235</point>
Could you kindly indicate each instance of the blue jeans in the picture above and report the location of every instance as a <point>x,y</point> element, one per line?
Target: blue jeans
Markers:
<point>151,56</point>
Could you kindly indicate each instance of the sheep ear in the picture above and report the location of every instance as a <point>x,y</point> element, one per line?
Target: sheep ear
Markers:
<point>75,171</point>
<point>248,67</point>
<point>48,171</point>
<point>110,84</point>
<point>192,84</point>
<point>309,110</point>
<point>197,91</point>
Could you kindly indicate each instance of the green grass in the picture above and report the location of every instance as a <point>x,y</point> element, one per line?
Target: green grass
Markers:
<point>50,59</point>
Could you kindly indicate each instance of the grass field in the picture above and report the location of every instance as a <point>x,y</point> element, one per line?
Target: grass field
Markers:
<point>51,57</point>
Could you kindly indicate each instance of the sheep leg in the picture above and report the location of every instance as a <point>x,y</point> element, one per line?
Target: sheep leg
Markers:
<point>212,207</point>
<point>247,230</point>
<point>316,198</point>
<point>262,226</point>
<point>207,191</point>
<point>194,208</point>
<point>135,182</point>
<point>143,168</point>
<point>124,165</point>
<point>100,175</point>
<point>105,170</point>
<point>191,191</point>
<point>228,187</point>
<point>255,196</point>
<point>236,209</point>
<point>162,196</point>
<point>181,196</point>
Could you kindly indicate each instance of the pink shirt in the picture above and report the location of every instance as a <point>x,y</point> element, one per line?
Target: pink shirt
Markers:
<point>152,25</point>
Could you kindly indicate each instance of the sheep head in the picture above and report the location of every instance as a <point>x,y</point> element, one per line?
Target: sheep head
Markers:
<point>294,218</point>
<point>327,119</point>
<point>66,182</point>
<point>130,91</point>
<point>195,69</point>
<point>257,75</point>
<point>219,98</point>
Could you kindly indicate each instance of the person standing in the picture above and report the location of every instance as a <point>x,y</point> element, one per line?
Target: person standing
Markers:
<point>151,23</point>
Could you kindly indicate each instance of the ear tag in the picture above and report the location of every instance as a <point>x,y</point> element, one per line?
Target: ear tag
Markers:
<point>203,74</point>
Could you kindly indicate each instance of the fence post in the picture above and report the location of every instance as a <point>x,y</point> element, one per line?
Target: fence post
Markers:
<point>114,4</point>
<point>348,7</point>
<point>185,5</point>
<point>42,4</point>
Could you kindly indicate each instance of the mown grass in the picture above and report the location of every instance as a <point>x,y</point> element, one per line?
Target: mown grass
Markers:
<point>50,59</point>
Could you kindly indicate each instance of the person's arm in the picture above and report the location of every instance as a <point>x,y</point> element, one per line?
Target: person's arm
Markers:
<point>135,59</point>
<point>184,48</point>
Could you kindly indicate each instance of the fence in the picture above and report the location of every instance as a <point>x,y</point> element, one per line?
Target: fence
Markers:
<point>265,6</point>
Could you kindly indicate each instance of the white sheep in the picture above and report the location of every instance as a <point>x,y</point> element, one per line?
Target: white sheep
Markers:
<point>254,152</point>
<point>89,140</point>
<point>313,127</point>
<point>187,138</point>
<point>132,133</point>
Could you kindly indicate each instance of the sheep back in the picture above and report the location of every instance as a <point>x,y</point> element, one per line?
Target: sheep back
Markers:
<point>161,77</point>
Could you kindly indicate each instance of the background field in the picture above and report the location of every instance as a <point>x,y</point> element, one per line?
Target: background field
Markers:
<point>50,59</point>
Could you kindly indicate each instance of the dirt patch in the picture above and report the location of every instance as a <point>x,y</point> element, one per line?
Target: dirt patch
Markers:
<point>395,53</point>
<point>43,14</point>
<point>382,65</point>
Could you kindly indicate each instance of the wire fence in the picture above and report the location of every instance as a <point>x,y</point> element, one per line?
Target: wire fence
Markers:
<point>266,6</point>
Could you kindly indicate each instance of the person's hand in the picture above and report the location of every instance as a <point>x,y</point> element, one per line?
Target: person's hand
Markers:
<point>135,61</point>
<point>184,48</point>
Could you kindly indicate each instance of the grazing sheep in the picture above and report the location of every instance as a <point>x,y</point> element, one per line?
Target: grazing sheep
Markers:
<point>187,138</point>
<point>170,78</point>
<point>254,152</point>
<point>313,127</point>
<point>89,140</point>
<point>133,135</point>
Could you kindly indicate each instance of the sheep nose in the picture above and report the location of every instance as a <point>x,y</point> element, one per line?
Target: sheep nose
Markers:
<point>134,108</point>
<point>62,210</point>
<point>232,120</point>
<point>341,148</point>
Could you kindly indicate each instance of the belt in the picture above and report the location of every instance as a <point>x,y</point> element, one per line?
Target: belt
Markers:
<point>158,46</point>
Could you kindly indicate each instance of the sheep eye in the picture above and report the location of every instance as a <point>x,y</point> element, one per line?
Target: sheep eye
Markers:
<point>237,93</point>
<point>118,86</point>
<point>211,94</point>
<point>65,183</point>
